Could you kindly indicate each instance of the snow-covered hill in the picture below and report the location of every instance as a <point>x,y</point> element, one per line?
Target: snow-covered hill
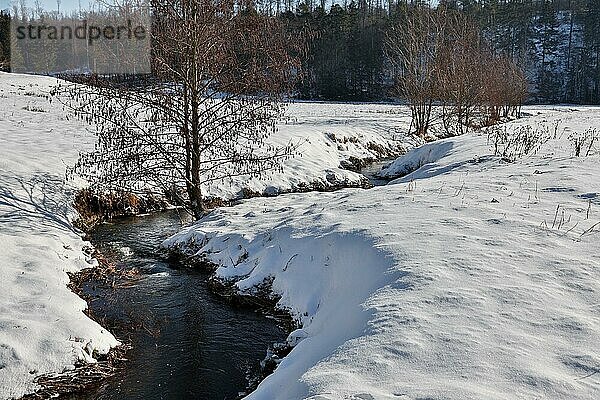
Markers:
<point>469,278</point>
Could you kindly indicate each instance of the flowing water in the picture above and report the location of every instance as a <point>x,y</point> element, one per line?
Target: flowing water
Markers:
<point>371,171</point>
<point>187,343</point>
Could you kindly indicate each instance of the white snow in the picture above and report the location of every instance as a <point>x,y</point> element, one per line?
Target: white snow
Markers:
<point>42,326</point>
<point>460,280</point>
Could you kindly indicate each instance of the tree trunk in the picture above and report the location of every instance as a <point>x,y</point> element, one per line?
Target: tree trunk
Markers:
<point>193,188</point>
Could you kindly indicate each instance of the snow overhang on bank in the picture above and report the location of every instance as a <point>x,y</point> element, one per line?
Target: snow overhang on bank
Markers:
<point>42,325</point>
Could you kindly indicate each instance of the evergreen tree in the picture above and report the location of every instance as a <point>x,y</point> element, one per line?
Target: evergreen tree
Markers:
<point>590,60</point>
<point>4,41</point>
<point>547,54</point>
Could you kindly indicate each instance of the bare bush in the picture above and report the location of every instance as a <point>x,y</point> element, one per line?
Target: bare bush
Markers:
<point>584,142</point>
<point>459,82</point>
<point>504,89</point>
<point>512,144</point>
<point>440,58</point>
<point>413,45</point>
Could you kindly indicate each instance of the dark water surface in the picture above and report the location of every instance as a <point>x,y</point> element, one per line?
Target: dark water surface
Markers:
<point>371,171</point>
<point>187,343</point>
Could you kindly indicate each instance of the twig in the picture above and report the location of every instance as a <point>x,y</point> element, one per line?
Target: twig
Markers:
<point>555,216</point>
<point>590,229</point>
<point>574,226</point>
<point>587,214</point>
<point>287,264</point>
<point>588,375</point>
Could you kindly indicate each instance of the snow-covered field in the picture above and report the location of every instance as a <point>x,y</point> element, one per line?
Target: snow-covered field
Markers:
<point>469,278</point>
<point>42,326</point>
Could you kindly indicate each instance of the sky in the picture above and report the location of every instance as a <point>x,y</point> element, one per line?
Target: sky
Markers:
<point>48,5</point>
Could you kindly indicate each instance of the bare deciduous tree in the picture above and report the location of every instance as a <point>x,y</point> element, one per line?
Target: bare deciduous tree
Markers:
<point>220,74</point>
<point>440,59</point>
<point>413,46</point>
<point>460,81</point>
<point>504,88</point>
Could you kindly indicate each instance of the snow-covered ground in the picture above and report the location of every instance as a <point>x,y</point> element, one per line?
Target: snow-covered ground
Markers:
<point>42,326</point>
<point>469,278</point>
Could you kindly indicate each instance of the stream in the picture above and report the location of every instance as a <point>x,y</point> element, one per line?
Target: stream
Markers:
<point>187,343</point>
<point>370,172</point>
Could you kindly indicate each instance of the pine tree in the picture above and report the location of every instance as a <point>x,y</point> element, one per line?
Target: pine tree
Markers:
<point>591,51</point>
<point>548,40</point>
<point>4,41</point>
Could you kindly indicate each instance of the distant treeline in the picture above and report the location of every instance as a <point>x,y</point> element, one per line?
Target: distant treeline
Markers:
<point>556,43</point>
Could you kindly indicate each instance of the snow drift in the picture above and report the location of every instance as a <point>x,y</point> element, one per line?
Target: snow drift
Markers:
<point>42,326</point>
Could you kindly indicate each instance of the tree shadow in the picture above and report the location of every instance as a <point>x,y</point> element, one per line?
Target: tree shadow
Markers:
<point>41,201</point>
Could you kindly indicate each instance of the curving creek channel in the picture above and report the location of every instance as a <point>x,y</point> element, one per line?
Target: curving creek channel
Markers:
<point>186,342</point>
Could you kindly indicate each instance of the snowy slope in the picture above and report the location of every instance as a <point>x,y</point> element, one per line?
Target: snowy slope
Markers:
<point>42,326</point>
<point>460,280</point>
